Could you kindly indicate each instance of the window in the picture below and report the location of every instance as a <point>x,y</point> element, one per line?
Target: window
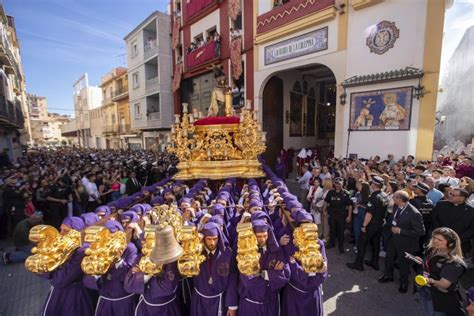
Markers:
<point>134,49</point>
<point>137,112</point>
<point>135,81</point>
<point>113,119</point>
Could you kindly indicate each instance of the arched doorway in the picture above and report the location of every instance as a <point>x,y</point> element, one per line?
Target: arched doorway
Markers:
<point>273,118</point>
<point>298,110</point>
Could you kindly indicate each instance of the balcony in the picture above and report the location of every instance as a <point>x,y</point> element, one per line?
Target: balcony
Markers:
<point>107,101</point>
<point>202,55</point>
<point>119,94</point>
<point>154,116</point>
<point>111,129</point>
<point>6,53</point>
<point>289,12</point>
<point>150,49</point>
<point>194,8</point>
<point>124,129</point>
<point>11,113</point>
<point>151,85</point>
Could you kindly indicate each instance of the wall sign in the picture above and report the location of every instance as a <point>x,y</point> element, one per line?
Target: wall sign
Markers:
<point>380,110</point>
<point>297,46</point>
<point>382,37</point>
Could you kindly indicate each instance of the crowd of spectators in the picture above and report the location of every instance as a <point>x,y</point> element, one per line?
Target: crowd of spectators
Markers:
<point>70,182</point>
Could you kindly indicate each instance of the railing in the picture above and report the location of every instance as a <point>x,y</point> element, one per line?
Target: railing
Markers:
<point>202,54</point>
<point>153,116</point>
<point>109,129</point>
<point>151,48</point>
<point>151,84</point>
<point>3,106</point>
<point>288,12</point>
<point>124,129</point>
<point>107,101</point>
<point>119,93</point>
<point>6,46</point>
<point>194,7</point>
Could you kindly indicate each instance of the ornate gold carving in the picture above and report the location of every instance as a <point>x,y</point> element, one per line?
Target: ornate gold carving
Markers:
<point>190,262</point>
<point>305,238</point>
<point>248,258</point>
<point>105,249</point>
<point>217,151</point>
<point>145,264</point>
<point>52,249</point>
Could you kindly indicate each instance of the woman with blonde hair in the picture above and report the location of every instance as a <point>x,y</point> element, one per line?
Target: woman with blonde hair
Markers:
<point>443,267</point>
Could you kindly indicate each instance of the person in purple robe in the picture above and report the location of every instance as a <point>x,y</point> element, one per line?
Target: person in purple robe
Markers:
<point>259,293</point>
<point>281,169</point>
<point>215,287</point>
<point>129,221</point>
<point>303,293</point>
<point>102,211</point>
<point>67,295</point>
<point>90,218</point>
<point>157,293</point>
<point>113,298</point>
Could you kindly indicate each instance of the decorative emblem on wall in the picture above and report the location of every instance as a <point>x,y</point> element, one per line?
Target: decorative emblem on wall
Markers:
<point>382,37</point>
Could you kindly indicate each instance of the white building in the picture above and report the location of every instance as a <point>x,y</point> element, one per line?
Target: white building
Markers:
<point>149,73</point>
<point>325,72</point>
<point>86,98</point>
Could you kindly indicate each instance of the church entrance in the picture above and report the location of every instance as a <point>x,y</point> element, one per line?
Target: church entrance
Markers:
<point>299,111</point>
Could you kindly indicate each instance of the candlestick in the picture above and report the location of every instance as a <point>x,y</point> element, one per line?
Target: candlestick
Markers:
<point>173,129</point>
<point>176,118</point>
<point>264,137</point>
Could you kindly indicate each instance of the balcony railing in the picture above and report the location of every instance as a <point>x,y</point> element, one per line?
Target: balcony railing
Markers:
<point>288,12</point>
<point>107,101</point>
<point>124,129</point>
<point>11,112</point>
<point>151,84</point>
<point>151,48</point>
<point>6,49</point>
<point>111,129</point>
<point>153,116</point>
<point>194,7</point>
<point>119,93</point>
<point>202,55</point>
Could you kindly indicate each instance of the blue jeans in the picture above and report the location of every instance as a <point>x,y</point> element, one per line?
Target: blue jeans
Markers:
<point>20,254</point>
<point>358,221</point>
<point>115,195</point>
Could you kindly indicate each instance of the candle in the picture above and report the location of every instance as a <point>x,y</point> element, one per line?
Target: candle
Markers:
<point>264,137</point>
<point>200,114</point>
<point>191,120</point>
<point>173,130</point>
<point>249,104</point>
<point>195,113</point>
<point>176,118</point>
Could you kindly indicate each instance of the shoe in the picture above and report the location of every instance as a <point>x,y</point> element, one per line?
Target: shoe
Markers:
<point>385,278</point>
<point>373,264</point>
<point>5,258</point>
<point>382,254</point>
<point>403,288</point>
<point>355,266</point>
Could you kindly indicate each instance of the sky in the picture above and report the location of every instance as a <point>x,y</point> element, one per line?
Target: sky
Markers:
<point>457,19</point>
<point>62,39</point>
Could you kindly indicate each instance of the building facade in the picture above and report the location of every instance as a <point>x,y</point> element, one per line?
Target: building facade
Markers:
<point>212,33</point>
<point>339,74</point>
<point>87,98</point>
<point>149,73</point>
<point>13,130</point>
<point>116,109</point>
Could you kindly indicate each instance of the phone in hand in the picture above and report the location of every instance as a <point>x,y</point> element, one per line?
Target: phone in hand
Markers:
<point>413,258</point>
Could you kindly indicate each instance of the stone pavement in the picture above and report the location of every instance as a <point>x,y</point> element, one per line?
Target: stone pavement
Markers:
<point>21,293</point>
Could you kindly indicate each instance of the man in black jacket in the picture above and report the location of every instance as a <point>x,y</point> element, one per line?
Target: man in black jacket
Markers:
<point>132,185</point>
<point>425,207</point>
<point>407,227</point>
<point>457,215</point>
<point>371,230</point>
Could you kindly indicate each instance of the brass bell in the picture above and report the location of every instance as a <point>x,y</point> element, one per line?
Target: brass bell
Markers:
<point>167,248</point>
